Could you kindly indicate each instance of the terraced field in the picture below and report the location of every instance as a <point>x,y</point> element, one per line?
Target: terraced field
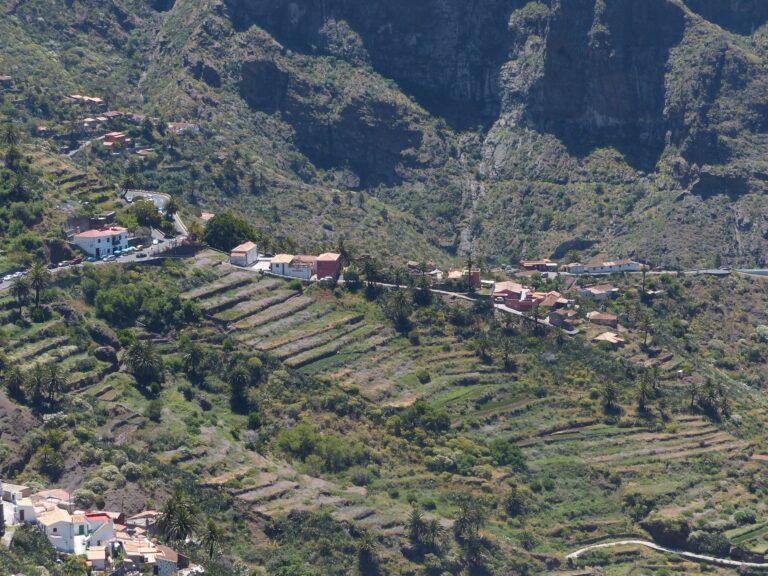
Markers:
<point>50,342</point>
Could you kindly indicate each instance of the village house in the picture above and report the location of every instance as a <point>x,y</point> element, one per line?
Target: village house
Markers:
<point>244,255</point>
<point>328,265</point>
<point>610,339</point>
<point>66,532</point>
<point>598,293</point>
<point>6,82</point>
<point>565,318</point>
<point>523,299</point>
<point>14,492</point>
<point>98,559</point>
<point>603,319</point>
<point>91,101</point>
<point>427,269</point>
<point>113,139</point>
<point>301,267</point>
<point>611,267</point>
<point>102,242</point>
<point>541,265</point>
<point>463,274</point>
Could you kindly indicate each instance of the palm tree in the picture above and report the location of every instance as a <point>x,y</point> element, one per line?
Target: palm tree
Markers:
<point>144,362</point>
<point>55,384</point>
<point>433,533</point>
<point>172,207</point>
<point>15,383</point>
<point>416,526</point>
<point>39,279</point>
<point>366,554</point>
<point>9,135</point>
<point>20,290</point>
<point>36,385</point>
<point>211,537</point>
<point>644,393</point>
<point>179,519</point>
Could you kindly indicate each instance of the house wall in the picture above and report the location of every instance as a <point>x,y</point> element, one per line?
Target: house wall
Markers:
<point>66,537</point>
<point>328,268</point>
<point>303,271</point>
<point>25,513</point>
<point>249,258</point>
<point>164,568</point>
<point>102,246</point>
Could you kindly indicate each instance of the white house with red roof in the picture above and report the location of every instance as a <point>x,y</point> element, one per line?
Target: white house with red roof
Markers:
<point>102,242</point>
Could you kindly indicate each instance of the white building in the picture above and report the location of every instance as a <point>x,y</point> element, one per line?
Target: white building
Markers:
<point>101,528</point>
<point>100,243</point>
<point>244,255</point>
<point>611,267</point>
<point>67,532</point>
<point>302,267</point>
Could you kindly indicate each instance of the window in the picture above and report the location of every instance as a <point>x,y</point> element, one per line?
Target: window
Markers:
<point>55,530</point>
<point>82,530</point>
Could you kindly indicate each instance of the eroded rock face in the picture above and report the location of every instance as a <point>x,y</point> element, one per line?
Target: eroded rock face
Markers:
<point>603,77</point>
<point>634,76</point>
<point>367,132</point>
<point>447,53</point>
<point>741,16</point>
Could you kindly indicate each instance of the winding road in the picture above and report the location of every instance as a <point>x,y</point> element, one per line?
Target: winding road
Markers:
<point>653,546</point>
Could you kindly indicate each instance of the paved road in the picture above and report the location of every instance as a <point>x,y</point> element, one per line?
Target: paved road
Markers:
<point>653,546</point>
<point>83,146</point>
<point>159,199</point>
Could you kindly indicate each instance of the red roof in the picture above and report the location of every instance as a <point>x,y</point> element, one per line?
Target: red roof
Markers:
<point>329,257</point>
<point>105,232</point>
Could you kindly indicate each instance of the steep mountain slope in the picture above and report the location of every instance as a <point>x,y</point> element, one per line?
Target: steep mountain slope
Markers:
<point>503,128</point>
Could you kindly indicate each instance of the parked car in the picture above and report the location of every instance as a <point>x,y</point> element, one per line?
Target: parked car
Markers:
<point>63,264</point>
<point>76,261</point>
<point>90,259</point>
<point>141,255</point>
<point>109,258</point>
<point>52,265</point>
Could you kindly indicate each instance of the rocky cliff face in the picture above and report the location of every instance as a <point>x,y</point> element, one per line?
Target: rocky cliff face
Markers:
<point>447,53</point>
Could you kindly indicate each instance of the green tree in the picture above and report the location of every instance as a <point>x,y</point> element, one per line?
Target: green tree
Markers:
<point>143,361</point>
<point>225,231</point>
<point>644,394</point>
<point>74,566</point>
<point>397,307</point>
<point>366,554</point>
<point>416,526</point>
<point>423,294</point>
<point>15,383</point>
<point>36,382</point>
<point>20,290</point>
<point>609,394</point>
<point>239,380</point>
<point>172,207</point>
<point>54,385</point>
<point>39,279</point>
<point>211,538</point>
<point>179,518</point>
<point>9,135</point>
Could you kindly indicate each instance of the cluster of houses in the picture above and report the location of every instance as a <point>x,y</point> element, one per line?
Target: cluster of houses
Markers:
<point>302,266</point>
<point>102,537</point>
<point>556,309</point>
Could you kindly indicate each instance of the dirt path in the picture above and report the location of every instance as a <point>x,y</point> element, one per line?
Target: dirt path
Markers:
<point>653,546</point>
